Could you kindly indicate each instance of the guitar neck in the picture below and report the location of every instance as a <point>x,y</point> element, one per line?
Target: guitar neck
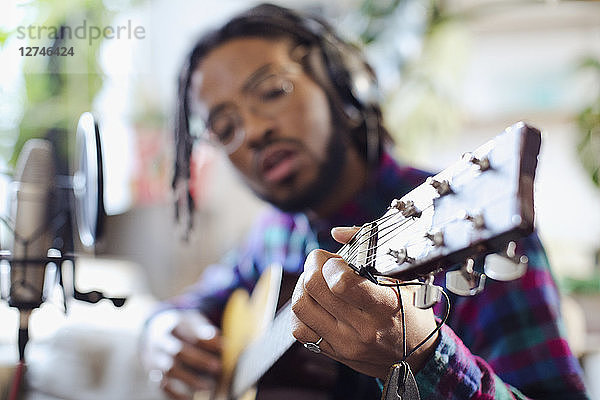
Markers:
<point>261,354</point>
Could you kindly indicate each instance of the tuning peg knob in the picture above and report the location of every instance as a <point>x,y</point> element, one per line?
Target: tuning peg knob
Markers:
<point>507,266</point>
<point>465,281</point>
<point>477,220</point>
<point>483,162</point>
<point>407,208</point>
<point>442,187</point>
<point>427,295</point>
<point>400,256</point>
<point>437,238</point>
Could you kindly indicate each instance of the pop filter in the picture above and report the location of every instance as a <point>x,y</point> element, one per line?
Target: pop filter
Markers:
<point>88,181</point>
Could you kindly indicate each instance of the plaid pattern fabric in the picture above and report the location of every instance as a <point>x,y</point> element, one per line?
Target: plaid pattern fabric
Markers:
<point>507,337</point>
<point>516,328</point>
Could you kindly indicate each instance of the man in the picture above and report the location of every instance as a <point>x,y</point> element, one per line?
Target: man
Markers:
<point>285,98</point>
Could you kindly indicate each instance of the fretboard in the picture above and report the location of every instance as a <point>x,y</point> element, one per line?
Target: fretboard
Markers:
<point>261,354</point>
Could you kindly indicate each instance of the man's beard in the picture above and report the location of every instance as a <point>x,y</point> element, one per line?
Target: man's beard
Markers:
<point>329,173</point>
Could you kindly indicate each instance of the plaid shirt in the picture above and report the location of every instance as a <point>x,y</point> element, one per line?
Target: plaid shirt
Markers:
<point>507,342</point>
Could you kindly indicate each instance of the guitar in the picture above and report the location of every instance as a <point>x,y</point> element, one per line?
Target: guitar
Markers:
<point>477,207</point>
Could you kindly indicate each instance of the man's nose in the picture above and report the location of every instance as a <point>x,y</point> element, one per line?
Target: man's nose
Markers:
<point>257,126</point>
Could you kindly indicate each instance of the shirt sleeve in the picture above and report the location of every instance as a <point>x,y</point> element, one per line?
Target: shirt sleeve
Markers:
<point>507,342</point>
<point>275,238</point>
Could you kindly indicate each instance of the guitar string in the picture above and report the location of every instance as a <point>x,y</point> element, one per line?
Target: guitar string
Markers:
<point>455,186</point>
<point>439,325</point>
<point>356,249</point>
<point>384,218</point>
<point>368,259</point>
<point>351,245</point>
<point>410,243</point>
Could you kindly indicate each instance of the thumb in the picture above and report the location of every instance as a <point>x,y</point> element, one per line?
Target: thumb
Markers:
<point>343,234</point>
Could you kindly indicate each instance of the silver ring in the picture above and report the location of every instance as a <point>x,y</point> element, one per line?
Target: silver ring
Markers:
<point>314,347</point>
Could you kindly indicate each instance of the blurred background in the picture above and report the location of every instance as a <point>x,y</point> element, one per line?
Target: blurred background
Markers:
<point>454,74</point>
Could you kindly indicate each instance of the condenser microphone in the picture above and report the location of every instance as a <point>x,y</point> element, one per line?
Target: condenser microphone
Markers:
<point>41,219</point>
<point>32,197</point>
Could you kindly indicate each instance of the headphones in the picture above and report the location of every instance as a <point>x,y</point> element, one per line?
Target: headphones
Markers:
<point>347,70</point>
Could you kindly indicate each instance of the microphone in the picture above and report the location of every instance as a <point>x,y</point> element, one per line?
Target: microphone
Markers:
<point>32,199</point>
<point>33,194</point>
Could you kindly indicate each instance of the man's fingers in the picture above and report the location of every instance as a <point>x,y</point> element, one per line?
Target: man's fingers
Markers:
<point>304,334</point>
<point>355,290</point>
<point>176,390</point>
<point>308,312</point>
<point>346,285</point>
<point>202,335</point>
<point>199,359</point>
<point>343,234</point>
<point>315,286</point>
<point>192,379</point>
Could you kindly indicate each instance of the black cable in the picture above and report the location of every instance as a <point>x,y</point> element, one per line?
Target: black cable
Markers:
<point>403,320</point>
<point>23,339</point>
<point>438,325</point>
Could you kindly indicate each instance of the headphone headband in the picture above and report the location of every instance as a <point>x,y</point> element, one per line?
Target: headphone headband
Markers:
<point>352,78</point>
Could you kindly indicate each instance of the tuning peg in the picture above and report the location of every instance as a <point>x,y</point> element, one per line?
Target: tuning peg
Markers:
<point>483,162</point>
<point>407,208</point>
<point>465,281</point>
<point>507,266</point>
<point>442,187</point>
<point>427,295</point>
<point>437,238</point>
<point>400,256</point>
<point>476,219</point>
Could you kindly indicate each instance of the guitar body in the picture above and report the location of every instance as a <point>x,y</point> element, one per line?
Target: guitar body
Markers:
<point>246,318</point>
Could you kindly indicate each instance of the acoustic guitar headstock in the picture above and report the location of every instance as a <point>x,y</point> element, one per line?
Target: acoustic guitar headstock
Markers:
<point>478,206</point>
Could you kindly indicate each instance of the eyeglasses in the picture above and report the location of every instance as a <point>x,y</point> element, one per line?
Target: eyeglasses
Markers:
<point>266,94</point>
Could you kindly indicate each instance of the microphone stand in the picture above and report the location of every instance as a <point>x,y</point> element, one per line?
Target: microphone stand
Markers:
<point>18,378</point>
<point>25,309</point>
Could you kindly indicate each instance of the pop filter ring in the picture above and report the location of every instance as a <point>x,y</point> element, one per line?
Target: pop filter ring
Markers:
<point>88,181</point>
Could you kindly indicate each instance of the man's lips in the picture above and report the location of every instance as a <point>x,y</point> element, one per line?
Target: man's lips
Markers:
<point>277,162</point>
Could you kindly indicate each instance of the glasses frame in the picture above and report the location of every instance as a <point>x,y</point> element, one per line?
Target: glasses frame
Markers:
<point>260,96</point>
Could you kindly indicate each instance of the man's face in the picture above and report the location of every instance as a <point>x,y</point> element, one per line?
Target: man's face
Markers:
<point>276,119</point>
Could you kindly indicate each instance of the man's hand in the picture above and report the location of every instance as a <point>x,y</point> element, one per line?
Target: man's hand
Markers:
<point>360,322</point>
<point>184,350</point>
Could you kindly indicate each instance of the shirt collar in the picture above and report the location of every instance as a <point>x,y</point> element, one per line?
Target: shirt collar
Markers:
<point>388,181</point>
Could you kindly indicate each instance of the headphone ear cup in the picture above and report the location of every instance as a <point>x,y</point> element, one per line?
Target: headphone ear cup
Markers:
<point>358,84</point>
<point>352,77</point>
<point>363,82</point>
<point>319,63</point>
<point>351,83</point>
